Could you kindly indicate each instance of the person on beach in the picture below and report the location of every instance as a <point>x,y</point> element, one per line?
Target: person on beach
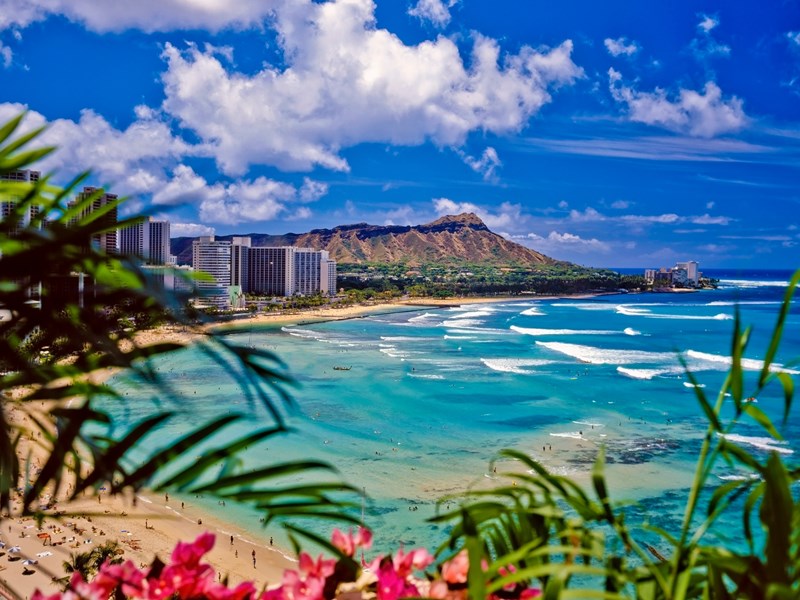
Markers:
<point>254,559</point>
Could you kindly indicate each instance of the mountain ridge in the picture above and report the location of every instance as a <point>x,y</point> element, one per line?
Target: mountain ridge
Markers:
<point>451,239</point>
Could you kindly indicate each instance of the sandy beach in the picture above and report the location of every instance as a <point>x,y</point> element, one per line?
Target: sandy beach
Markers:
<point>150,525</point>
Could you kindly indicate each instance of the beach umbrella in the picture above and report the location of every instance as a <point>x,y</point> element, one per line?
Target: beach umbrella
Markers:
<point>30,561</point>
<point>14,549</point>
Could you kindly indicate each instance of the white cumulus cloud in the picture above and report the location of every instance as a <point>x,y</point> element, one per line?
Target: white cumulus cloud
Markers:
<point>707,23</point>
<point>556,244</point>
<point>147,15</point>
<point>189,229</point>
<point>6,55</point>
<point>131,160</point>
<point>435,11</point>
<point>702,114</point>
<point>185,186</point>
<point>705,46</point>
<point>587,216</point>
<point>621,46</point>
<point>486,165</point>
<point>347,82</point>
<point>507,215</point>
<point>261,199</point>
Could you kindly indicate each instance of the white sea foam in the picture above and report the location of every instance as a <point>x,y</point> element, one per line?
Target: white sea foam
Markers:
<point>406,338</point>
<point>422,317</point>
<point>747,283</point>
<point>631,310</point>
<point>303,333</point>
<point>748,477</point>
<point>426,376</point>
<point>749,364</point>
<point>763,443</point>
<point>743,302</point>
<point>462,323</point>
<point>464,330</point>
<point>689,384</point>
<point>459,337</point>
<point>445,364</point>
<point>541,332</point>
<point>575,435</point>
<point>534,311</point>
<point>585,305</point>
<point>631,331</point>
<point>515,365</point>
<point>475,314</point>
<point>608,356</point>
<point>641,373</point>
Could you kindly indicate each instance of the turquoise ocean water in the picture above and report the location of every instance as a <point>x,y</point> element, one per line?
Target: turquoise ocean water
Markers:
<point>431,395</point>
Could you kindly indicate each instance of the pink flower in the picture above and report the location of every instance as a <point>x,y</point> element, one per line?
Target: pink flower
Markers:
<point>217,591</point>
<point>293,587</point>
<point>321,568</point>
<point>189,555</point>
<point>405,564</point>
<point>391,585</point>
<point>456,569</point>
<point>127,575</point>
<point>530,593</point>
<point>348,543</point>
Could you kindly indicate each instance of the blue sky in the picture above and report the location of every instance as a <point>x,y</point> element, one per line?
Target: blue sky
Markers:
<point>621,134</point>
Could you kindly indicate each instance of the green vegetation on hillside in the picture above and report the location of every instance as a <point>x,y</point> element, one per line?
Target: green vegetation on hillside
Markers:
<point>436,280</point>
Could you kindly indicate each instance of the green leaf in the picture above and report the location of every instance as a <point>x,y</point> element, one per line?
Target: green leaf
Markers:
<point>777,332</point>
<point>787,383</point>
<point>761,418</point>
<point>776,514</point>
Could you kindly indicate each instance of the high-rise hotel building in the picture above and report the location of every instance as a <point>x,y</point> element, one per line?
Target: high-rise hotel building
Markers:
<point>306,271</point>
<point>214,258</point>
<point>327,274</point>
<point>107,240</point>
<point>266,271</point>
<point>272,271</point>
<point>8,206</point>
<point>240,262</point>
<point>149,240</point>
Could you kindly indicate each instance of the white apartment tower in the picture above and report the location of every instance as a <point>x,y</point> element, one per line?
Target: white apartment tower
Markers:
<point>327,272</point>
<point>106,241</point>
<point>8,206</point>
<point>214,258</point>
<point>692,274</point>
<point>149,240</point>
<point>307,271</point>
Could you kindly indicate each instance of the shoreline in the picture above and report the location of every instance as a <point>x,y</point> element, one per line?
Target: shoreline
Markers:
<point>148,526</point>
<point>322,315</point>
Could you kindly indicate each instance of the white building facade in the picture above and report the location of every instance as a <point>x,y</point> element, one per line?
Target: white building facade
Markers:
<point>149,240</point>
<point>214,258</point>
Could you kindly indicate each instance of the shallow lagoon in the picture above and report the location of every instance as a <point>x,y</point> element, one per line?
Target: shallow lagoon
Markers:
<point>431,396</point>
